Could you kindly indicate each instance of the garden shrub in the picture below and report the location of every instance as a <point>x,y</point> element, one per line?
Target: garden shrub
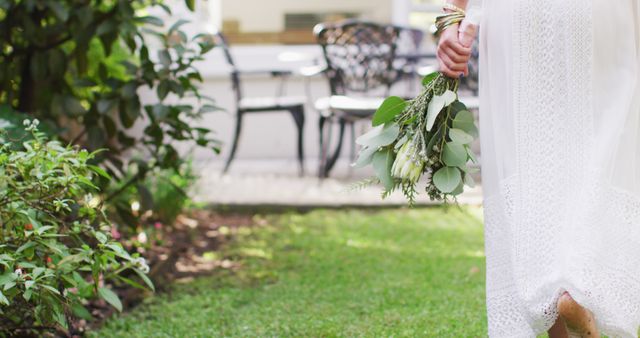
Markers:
<point>56,250</point>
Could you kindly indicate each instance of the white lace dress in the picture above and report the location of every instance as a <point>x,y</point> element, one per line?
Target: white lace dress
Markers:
<point>560,133</point>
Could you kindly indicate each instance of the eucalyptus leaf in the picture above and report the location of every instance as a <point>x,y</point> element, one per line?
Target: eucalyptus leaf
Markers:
<point>458,190</point>
<point>379,136</point>
<point>388,110</point>
<point>472,155</point>
<point>457,106</point>
<point>436,105</point>
<point>447,179</point>
<point>460,136</point>
<point>464,120</point>
<point>364,157</point>
<point>401,142</point>
<point>454,154</point>
<point>382,163</point>
<point>429,78</point>
<point>433,141</point>
<point>469,181</point>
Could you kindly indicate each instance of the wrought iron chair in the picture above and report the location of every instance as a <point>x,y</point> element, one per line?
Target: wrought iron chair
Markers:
<point>359,59</point>
<point>250,105</point>
<point>409,56</point>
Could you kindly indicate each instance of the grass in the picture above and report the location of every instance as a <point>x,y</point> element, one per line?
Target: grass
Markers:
<point>396,273</point>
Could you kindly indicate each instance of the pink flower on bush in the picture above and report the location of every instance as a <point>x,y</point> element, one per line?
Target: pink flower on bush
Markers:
<point>115,233</point>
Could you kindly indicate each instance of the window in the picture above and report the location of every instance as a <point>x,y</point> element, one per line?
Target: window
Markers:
<point>292,21</point>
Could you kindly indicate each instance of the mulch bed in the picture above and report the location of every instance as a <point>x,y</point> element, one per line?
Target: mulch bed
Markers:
<point>180,256</point>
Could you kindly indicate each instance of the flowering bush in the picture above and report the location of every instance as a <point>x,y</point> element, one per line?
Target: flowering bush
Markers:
<point>56,251</point>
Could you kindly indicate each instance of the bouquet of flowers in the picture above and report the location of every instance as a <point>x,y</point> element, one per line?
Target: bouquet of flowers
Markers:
<point>427,137</point>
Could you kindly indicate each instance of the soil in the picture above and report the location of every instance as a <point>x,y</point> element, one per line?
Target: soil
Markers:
<point>180,254</point>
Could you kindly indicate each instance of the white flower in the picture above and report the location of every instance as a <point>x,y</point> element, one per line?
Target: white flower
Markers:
<point>142,237</point>
<point>18,272</point>
<point>407,165</point>
<point>141,264</point>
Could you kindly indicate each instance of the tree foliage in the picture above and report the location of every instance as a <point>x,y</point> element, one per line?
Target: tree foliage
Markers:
<point>79,66</point>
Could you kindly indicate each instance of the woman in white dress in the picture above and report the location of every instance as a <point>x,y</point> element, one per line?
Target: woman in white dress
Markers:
<point>560,134</point>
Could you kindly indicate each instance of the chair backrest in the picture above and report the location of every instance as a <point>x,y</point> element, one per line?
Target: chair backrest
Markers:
<point>359,55</point>
<point>221,41</point>
<point>408,50</point>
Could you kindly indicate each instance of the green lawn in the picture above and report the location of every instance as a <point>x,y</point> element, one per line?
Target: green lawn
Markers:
<point>397,273</point>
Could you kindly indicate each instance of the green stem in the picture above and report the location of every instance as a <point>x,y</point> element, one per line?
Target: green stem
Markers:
<point>456,83</point>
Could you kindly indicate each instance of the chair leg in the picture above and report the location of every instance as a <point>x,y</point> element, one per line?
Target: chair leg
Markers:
<point>236,137</point>
<point>298,117</point>
<point>352,146</point>
<point>323,147</point>
<point>331,161</point>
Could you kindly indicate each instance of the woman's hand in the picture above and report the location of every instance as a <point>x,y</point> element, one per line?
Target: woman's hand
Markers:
<point>452,55</point>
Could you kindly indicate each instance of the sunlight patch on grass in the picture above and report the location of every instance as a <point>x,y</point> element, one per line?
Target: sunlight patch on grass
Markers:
<point>400,273</point>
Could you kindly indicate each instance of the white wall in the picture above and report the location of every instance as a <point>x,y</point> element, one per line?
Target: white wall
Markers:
<point>268,16</point>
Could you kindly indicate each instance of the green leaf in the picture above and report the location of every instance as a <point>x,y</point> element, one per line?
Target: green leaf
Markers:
<point>7,277</point>
<point>110,297</point>
<point>101,237</point>
<point>379,136</point>
<point>72,106</point>
<point>388,110</point>
<point>436,105</point>
<point>50,288</point>
<point>145,279</point>
<point>447,179</point>
<point>8,286</point>
<point>434,140</point>
<point>458,190</point>
<point>191,4</point>
<point>163,89</point>
<point>26,246</point>
<point>42,230</point>
<point>177,25</point>
<point>37,272</point>
<point>80,311</point>
<point>457,106</point>
<point>464,120</point>
<point>118,250</point>
<point>3,299</point>
<point>104,105</point>
<point>164,57</point>
<point>454,154</point>
<point>146,198</point>
<point>99,171</point>
<point>472,155</point>
<point>365,157</point>
<point>382,163</point>
<point>460,136</point>
<point>429,78</point>
<point>151,20</point>
<point>27,294</point>
<point>469,181</point>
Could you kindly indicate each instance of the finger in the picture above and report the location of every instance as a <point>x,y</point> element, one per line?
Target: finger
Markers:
<point>458,48</point>
<point>454,55</point>
<point>459,67</point>
<point>448,72</point>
